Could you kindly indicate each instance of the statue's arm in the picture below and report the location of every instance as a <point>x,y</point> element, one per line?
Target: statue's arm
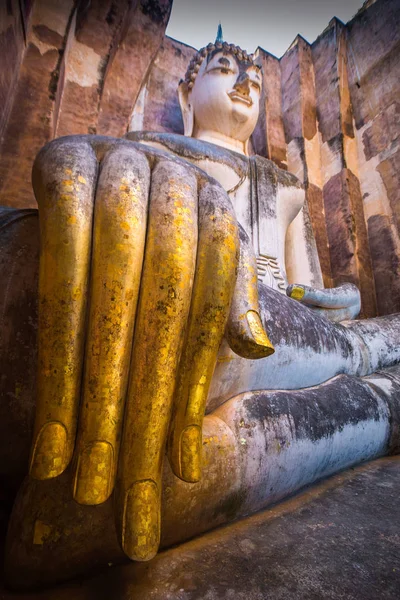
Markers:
<point>341,303</point>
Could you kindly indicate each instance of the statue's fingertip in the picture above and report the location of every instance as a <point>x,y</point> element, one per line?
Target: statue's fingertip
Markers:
<point>92,481</point>
<point>49,455</point>
<point>141,521</point>
<point>296,292</point>
<point>260,337</point>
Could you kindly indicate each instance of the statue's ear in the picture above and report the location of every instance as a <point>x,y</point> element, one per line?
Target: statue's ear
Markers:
<point>186,108</point>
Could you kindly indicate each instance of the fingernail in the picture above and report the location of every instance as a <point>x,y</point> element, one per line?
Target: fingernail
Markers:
<point>49,456</point>
<point>297,292</point>
<point>258,332</point>
<point>141,521</point>
<point>92,483</point>
<point>190,456</point>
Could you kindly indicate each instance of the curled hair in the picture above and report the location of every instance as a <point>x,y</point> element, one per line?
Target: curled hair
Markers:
<point>207,53</point>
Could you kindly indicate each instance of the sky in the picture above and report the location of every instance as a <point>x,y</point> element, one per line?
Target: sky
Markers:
<point>271,24</point>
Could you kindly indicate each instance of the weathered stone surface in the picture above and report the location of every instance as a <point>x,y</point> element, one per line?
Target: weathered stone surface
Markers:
<point>28,128</point>
<point>291,95</point>
<point>389,170</point>
<point>346,112</point>
<point>31,121</point>
<point>78,64</point>
<point>336,167</point>
<point>307,94</point>
<point>93,33</point>
<point>304,151</point>
<point>19,257</point>
<point>386,264</point>
<point>12,44</point>
<point>374,68</point>
<point>324,52</point>
<point>316,207</point>
<point>362,252</point>
<point>157,107</point>
<point>383,130</point>
<point>269,136</point>
<point>374,81</point>
<point>341,231</point>
<point>348,242</point>
<point>130,65</point>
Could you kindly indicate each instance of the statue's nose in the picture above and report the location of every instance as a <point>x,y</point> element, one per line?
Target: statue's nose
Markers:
<point>242,84</point>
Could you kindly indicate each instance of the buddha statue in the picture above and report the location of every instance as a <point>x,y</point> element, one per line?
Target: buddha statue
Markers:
<point>178,274</point>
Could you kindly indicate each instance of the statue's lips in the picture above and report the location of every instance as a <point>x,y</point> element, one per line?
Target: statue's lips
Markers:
<point>234,95</point>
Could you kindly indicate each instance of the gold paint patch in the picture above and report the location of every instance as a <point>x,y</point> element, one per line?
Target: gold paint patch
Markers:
<point>41,532</point>
<point>297,293</point>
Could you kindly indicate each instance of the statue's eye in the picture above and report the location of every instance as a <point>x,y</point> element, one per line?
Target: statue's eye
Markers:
<point>255,86</point>
<point>221,69</point>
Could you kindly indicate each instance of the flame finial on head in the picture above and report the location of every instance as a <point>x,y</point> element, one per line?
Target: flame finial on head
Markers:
<point>219,37</point>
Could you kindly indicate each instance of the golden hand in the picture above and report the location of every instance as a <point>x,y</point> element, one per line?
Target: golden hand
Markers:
<point>130,323</point>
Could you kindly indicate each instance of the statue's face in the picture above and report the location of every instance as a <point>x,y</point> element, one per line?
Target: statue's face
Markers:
<point>226,96</point>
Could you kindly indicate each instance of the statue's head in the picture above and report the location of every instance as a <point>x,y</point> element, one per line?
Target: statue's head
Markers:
<point>221,93</point>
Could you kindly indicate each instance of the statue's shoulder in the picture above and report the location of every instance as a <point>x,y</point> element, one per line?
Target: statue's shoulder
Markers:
<point>197,151</point>
<point>190,148</point>
<point>268,169</point>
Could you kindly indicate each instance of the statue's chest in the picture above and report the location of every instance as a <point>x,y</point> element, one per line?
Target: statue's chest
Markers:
<point>264,210</point>
<point>259,194</point>
<point>261,223</point>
